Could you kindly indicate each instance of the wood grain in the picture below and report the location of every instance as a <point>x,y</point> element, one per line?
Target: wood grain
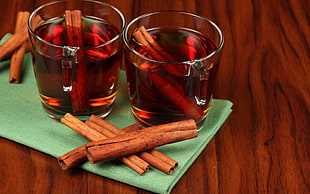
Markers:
<point>264,145</point>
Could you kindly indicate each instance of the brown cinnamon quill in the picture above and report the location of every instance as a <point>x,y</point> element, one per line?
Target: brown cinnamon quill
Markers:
<point>133,161</point>
<point>17,58</point>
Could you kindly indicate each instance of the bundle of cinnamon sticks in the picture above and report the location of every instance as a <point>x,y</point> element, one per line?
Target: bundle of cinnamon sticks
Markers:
<point>133,145</point>
<point>16,46</point>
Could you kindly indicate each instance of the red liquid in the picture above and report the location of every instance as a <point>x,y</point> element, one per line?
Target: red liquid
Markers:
<point>99,74</point>
<point>162,92</point>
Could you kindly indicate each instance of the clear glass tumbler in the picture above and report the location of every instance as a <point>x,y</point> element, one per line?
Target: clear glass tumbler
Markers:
<point>172,60</point>
<point>77,49</point>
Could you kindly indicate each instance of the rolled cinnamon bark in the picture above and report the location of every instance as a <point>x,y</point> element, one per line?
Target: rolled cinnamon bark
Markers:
<point>74,31</point>
<point>72,158</point>
<point>133,161</point>
<point>132,127</point>
<point>153,157</point>
<point>78,156</point>
<point>189,124</point>
<point>106,125</point>
<point>123,145</point>
<point>163,166</point>
<point>164,158</point>
<point>15,41</point>
<point>99,128</point>
<point>150,44</point>
<point>17,58</point>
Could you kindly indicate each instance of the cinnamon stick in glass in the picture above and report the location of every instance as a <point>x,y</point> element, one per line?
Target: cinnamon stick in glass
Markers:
<point>74,31</point>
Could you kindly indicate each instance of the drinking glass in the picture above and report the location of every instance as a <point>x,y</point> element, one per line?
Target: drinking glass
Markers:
<point>77,49</point>
<point>172,60</point>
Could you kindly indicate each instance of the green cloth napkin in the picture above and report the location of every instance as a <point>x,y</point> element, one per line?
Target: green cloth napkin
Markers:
<point>23,120</point>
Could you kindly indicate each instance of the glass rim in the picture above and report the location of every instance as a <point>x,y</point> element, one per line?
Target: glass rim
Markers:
<point>216,51</point>
<point>119,35</point>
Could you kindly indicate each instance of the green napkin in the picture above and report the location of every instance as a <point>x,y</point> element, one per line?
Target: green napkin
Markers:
<point>24,121</point>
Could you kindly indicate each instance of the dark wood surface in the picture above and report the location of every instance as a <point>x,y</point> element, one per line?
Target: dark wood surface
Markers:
<point>265,71</point>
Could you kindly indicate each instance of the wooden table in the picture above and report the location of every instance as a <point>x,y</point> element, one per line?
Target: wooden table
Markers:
<point>265,71</point>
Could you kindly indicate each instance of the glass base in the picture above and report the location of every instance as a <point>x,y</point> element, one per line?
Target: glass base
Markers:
<point>83,117</point>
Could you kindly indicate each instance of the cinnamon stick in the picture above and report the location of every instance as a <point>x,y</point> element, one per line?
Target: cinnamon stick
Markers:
<point>14,42</point>
<point>17,39</point>
<point>99,128</point>
<point>78,156</point>
<point>132,127</point>
<point>156,162</point>
<point>163,157</point>
<point>74,29</point>
<point>81,128</point>
<point>133,161</point>
<point>159,160</point>
<point>78,95</point>
<point>137,34</point>
<point>72,158</point>
<point>18,55</point>
<point>106,125</point>
<point>165,56</point>
<point>92,134</point>
<point>121,146</point>
<point>183,125</point>
<point>168,127</point>
<point>187,106</point>
<point>154,157</point>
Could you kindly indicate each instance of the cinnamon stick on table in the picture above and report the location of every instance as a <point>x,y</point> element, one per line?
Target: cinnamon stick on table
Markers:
<point>14,42</point>
<point>164,159</point>
<point>133,161</point>
<point>133,142</point>
<point>72,158</point>
<point>78,156</point>
<point>141,140</point>
<point>154,157</point>
<point>18,55</point>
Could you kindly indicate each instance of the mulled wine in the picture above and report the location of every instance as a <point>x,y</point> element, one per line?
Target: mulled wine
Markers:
<point>170,83</point>
<point>77,80</point>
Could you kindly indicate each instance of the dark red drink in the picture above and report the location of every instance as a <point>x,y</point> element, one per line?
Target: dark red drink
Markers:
<point>67,76</point>
<point>162,92</point>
